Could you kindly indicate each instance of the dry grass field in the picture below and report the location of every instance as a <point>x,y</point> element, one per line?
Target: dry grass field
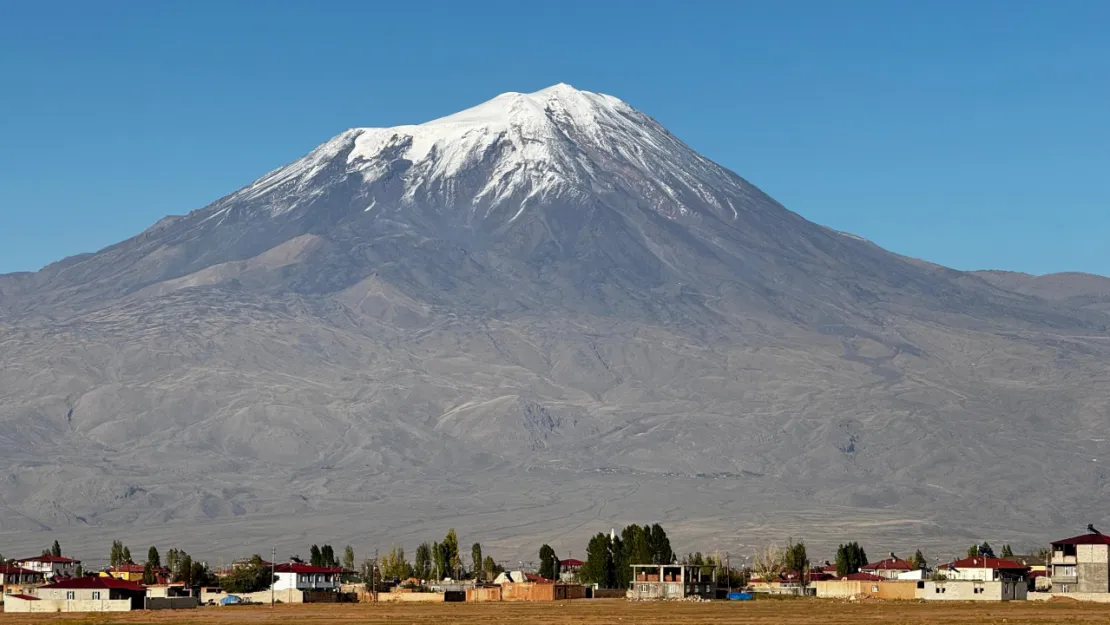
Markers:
<point>605,612</point>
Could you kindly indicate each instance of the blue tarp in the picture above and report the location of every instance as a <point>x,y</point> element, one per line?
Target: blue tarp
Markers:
<point>230,600</point>
<point>740,596</point>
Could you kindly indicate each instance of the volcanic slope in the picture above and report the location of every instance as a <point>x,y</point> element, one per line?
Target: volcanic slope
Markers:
<point>536,319</point>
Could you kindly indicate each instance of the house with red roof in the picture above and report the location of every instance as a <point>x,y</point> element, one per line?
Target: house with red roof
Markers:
<point>1081,563</point>
<point>50,566</point>
<point>984,569</point>
<point>299,576</point>
<point>80,594</point>
<point>890,568</point>
<point>16,580</point>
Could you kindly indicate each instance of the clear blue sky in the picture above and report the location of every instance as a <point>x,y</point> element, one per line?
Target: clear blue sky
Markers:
<point>973,133</point>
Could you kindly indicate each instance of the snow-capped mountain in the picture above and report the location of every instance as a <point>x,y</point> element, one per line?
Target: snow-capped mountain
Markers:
<point>541,313</point>
<point>515,150</point>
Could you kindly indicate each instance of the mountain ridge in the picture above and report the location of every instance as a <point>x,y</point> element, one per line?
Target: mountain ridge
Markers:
<point>648,336</point>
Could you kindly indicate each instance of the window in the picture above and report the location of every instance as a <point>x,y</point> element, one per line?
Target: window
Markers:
<point>874,588</point>
<point>920,584</point>
<point>96,595</point>
<point>69,595</point>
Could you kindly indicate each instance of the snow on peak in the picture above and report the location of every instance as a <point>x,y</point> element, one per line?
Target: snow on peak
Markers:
<point>527,145</point>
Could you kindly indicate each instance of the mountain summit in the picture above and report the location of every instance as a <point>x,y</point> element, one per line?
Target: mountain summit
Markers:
<point>548,307</point>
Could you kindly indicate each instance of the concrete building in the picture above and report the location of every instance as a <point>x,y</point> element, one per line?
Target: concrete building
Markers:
<point>984,569</point>
<point>672,581</point>
<point>1081,564</point>
<point>296,576</point>
<point>972,590</point>
<point>80,594</point>
<point>890,568</point>
<point>50,566</point>
<point>15,580</point>
<point>860,585</point>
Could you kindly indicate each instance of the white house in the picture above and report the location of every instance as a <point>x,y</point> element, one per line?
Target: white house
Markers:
<point>984,569</point>
<point>50,566</point>
<point>296,576</point>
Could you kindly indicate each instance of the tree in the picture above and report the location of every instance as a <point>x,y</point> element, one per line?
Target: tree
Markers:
<point>349,558</point>
<point>980,550</point>
<point>1007,551</point>
<point>491,569</point>
<point>314,558</point>
<point>116,558</point>
<point>327,556</point>
<point>450,547</point>
<point>253,577</point>
<point>599,566</point>
<point>79,571</point>
<point>918,561</point>
<point>184,571</point>
<point>394,565</point>
<point>849,559</point>
<point>769,564</point>
<point>476,560</point>
<point>149,576</point>
<point>439,564</point>
<point>796,561</point>
<point>153,558</point>
<point>126,555</point>
<point>549,563</point>
<point>56,550</point>
<point>660,545</point>
<point>423,564</point>
<point>171,560</point>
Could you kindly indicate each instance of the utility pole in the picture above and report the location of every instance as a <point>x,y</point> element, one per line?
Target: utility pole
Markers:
<point>728,573</point>
<point>273,567</point>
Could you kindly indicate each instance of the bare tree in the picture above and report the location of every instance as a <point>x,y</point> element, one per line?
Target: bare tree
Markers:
<point>769,564</point>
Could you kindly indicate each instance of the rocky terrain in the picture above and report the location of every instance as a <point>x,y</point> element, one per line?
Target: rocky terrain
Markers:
<point>534,320</point>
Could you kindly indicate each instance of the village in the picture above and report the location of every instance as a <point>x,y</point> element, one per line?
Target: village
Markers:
<point>636,564</point>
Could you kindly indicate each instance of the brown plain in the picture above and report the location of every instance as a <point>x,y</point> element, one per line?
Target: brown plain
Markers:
<point>605,611</point>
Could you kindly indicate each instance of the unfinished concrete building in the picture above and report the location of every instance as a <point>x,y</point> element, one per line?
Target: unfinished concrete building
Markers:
<point>672,581</point>
<point>1081,564</point>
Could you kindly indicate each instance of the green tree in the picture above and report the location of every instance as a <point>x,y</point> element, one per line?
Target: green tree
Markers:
<point>491,569</point>
<point>476,560</point>
<point>423,564</point>
<point>153,558</point>
<point>439,563</point>
<point>149,576</point>
<point>849,559</point>
<point>126,555</point>
<point>980,550</point>
<point>314,556</point>
<point>450,547</point>
<point>184,571</point>
<point>171,560</point>
<point>349,558</point>
<point>117,554</point>
<point>599,567</point>
<point>1007,551</point>
<point>660,545</point>
<point>918,561</point>
<point>549,563</point>
<point>252,577</point>
<point>796,561</point>
<point>79,571</point>
<point>394,565</point>
<point>56,549</point>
